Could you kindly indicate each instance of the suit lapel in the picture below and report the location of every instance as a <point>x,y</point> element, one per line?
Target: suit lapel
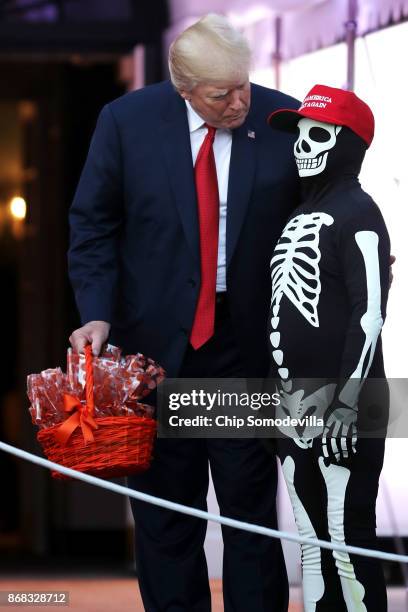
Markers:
<point>174,136</point>
<point>241,177</point>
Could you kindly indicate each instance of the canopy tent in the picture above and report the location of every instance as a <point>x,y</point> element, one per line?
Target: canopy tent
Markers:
<point>306,24</point>
<point>283,29</point>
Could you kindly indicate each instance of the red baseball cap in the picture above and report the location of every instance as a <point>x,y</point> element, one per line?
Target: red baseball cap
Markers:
<point>330,105</point>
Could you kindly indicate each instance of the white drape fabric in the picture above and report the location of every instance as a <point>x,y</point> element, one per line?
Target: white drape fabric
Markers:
<point>307,25</point>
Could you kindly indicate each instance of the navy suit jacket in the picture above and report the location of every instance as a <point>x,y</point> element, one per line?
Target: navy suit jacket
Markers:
<point>134,251</point>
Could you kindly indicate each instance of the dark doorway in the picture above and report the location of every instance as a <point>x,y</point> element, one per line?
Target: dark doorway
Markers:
<point>52,109</point>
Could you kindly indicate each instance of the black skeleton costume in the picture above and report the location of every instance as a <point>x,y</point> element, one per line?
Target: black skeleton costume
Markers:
<point>330,278</point>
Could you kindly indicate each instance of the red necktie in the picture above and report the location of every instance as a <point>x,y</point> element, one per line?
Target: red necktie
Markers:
<point>208,215</point>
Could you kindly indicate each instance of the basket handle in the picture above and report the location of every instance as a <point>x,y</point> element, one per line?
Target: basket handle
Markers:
<point>83,415</point>
<point>89,380</point>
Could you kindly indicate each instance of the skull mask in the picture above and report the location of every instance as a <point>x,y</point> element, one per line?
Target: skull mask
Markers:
<point>313,145</point>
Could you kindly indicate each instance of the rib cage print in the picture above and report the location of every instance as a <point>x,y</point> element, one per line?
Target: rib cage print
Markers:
<point>295,274</point>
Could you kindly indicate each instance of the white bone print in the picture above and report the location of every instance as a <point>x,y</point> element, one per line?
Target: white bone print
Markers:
<point>296,274</point>
<point>336,478</point>
<point>372,321</point>
<point>313,583</point>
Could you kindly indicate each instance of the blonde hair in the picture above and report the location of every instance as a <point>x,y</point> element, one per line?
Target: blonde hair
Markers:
<point>209,51</point>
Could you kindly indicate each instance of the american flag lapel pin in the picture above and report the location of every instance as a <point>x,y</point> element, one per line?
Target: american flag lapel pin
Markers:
<point>251,134</point>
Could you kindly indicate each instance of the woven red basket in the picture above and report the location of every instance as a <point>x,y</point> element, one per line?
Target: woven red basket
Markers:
<point>107,447</point>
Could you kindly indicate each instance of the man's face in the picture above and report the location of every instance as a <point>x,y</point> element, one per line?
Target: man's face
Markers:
<point>224,105</point>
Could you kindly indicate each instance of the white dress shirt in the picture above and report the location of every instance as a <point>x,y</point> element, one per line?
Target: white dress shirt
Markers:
<point>222,154</point>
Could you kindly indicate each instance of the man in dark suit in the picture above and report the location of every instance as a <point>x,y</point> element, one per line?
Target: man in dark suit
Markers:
<point>183,195</point>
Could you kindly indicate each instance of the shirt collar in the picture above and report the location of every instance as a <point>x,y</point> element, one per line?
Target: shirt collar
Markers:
<point>194,120</point>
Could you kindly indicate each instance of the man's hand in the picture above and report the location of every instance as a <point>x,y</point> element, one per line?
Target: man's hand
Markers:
<point>340,435</point>
<point>391,277</point>
<point>94,332</point>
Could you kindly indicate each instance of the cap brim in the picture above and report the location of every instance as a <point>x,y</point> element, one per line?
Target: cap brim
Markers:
<point>285,119</point>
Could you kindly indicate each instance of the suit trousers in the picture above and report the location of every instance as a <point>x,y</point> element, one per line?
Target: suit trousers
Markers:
<point>171,563</point>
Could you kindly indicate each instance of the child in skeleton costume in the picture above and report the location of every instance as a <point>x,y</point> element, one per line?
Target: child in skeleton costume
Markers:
<point>330,282</point>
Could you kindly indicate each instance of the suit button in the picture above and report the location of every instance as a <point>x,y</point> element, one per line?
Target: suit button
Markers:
<point>192,282</point>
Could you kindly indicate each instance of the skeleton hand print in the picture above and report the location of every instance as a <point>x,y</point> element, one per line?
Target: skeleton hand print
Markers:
<point>340,435</point>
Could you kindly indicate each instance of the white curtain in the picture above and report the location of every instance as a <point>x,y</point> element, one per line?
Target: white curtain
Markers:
<point>321,25</point>
<point>307,25</point>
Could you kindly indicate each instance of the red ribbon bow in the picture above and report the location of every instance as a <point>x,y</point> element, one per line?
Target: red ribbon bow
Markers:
<point>81,417</point>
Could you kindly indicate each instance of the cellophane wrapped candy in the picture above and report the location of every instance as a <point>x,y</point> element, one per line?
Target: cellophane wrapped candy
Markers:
<point>46,394</point>
<point>120,382</point>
